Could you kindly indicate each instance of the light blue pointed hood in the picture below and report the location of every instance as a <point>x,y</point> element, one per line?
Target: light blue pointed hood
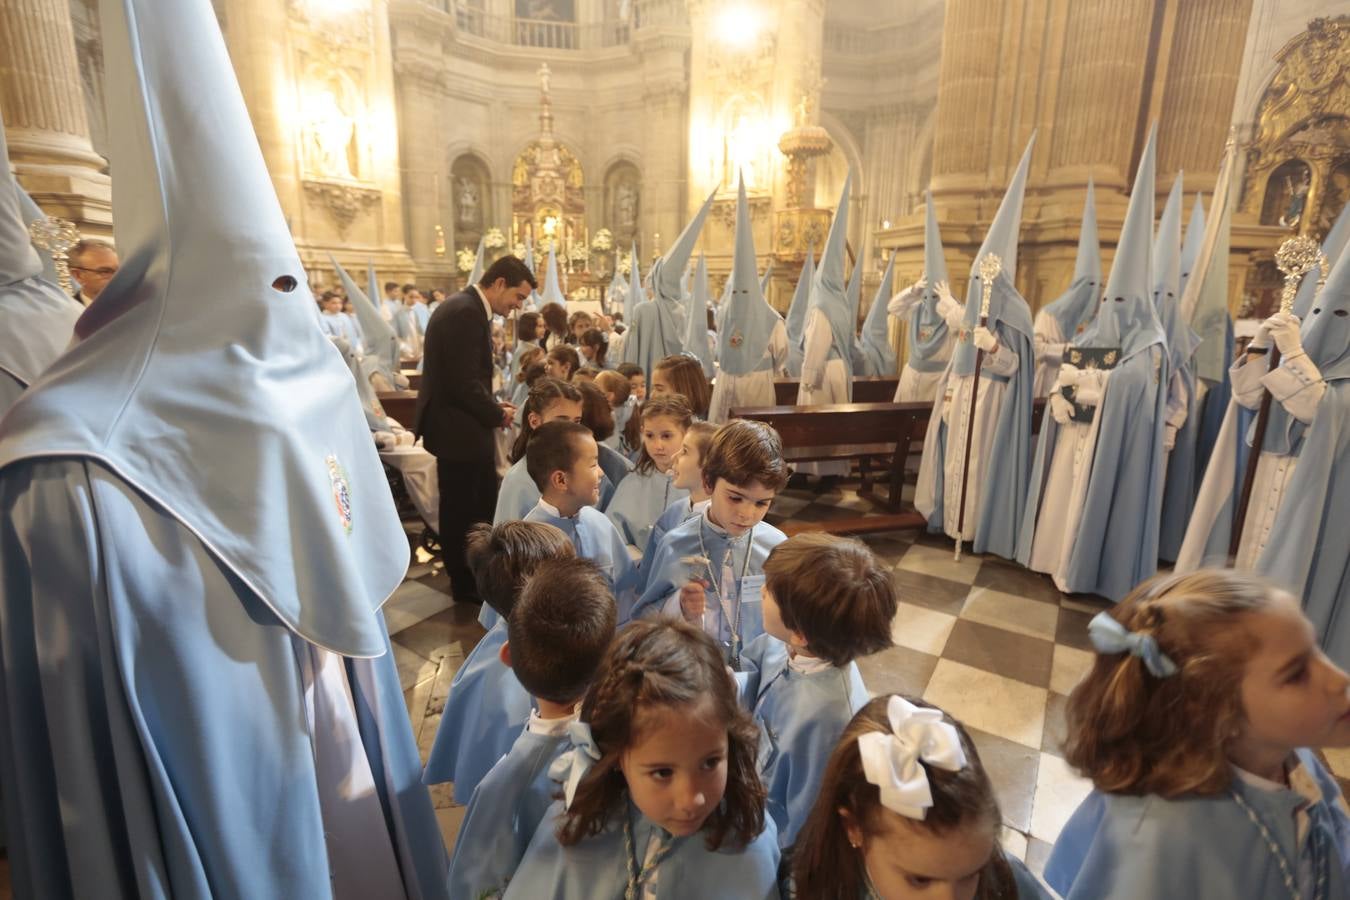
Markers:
<point>667,271</point>
<point>1181,340</point>
<point>617,289</point>
<point>476,273</point>
<point>696,334</point>
<point>743,337</point>
<point>878,355</point>
<point>210,391</point>
<point>31,213</point>
<point>766,278</point>
<point>532,303</point>
<point>381,342</point>
<point>801,299</point>
<point>372,285</point>
<point>927,332</point>
<point>1074,309</point>
<point>634,295</point>
<point>552,285</point>
<point>1190,248</point>
<point>1127,318</point>
<point>1326,327</point>
<point>370,404</point>
<point>1005,304</point>
<point>829,291</point>
<point>1332,246</point>
<point>37,319</point>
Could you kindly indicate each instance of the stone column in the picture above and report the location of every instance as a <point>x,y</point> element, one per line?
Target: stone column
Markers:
<point>45,121</point>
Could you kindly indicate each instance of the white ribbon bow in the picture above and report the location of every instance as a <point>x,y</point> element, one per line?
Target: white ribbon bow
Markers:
<point>572,766</point>
<point>893,762</point>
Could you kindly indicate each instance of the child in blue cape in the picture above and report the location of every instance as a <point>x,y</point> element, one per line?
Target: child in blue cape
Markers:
<point>549,400</point>
<point>598,416</point>
<point>660,795</point>
<point>906,809</point>
<point>487,707</point>
<point>688,477</point>
<point>557,634</point>
<point>1197,725</point>
<point>827,601</point>
<point>645,493</point>
<point>710,570</point>
<point>618,393</point>
<point>563,460</point>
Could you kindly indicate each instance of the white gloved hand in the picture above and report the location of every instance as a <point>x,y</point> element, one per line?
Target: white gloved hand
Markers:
<point>1261,341</point>
<point>920,284</point>
<point>1069,375</point>
<point>1283,329</point>
<point>405,438</point>
<point>1169,437</point>
<point>385,440</point>
<point>984,339</point>
<point>1060,409</point>
<point>1089,392</point>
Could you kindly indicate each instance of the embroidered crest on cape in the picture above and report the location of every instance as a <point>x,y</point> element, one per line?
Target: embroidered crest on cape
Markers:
<point>342,491</point>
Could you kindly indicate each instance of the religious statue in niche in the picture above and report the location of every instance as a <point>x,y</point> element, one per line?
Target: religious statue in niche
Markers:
<point>330,134</point>
<point>626,205</point>
<point>1335,192</point>
<point>1286,194</point>
<point>467,194</point>
<point>1298,199</point>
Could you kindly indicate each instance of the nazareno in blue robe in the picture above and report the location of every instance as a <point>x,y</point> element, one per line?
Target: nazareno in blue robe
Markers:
<point>802,715</point>
<point>1122,847</point>
<point>503,814</point>
<point>485,713</point>
<point>594,537</point>
<point>597,867</point>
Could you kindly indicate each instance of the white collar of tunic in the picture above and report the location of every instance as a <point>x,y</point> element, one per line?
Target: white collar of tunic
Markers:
<point>807,665</point>
<point>553,510</point>
<point>549,727</point>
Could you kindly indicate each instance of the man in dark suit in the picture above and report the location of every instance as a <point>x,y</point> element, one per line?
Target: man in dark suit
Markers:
<point>456,412</point>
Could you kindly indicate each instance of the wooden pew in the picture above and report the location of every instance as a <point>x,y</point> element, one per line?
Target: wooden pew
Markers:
<point>401,406</point>
<point>866,389</point>
<point>888,433</point>
<point>414,380</point>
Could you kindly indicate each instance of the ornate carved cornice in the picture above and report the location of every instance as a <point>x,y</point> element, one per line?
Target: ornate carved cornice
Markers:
<point>342,201</point>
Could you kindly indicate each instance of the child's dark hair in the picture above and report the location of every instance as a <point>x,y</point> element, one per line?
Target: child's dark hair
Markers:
<point>527,327</point>
<point>672,406</point>
<point>597,341</point>
<point>1133,733</point>
<point>743,451</point>
<point>555,317</point>
<point>543,392</point>
<point>664,663</point>
<point>614,383</point>
<point>834,592</point>
<point>629,370</point>
<point>566,355</point>
<point>502,556</point>
<point>686,377</point>
<point>702,433</point>
<point>826,867</point>
<point>554,447</point>
<point>559,629</point>
<point>579,316</point>
<point>596,413</point>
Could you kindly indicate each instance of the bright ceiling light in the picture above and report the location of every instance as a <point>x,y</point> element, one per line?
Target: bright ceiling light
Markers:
<point>739,25</point>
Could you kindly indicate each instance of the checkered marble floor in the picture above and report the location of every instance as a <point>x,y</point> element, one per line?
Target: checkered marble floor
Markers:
<point>997,646</point>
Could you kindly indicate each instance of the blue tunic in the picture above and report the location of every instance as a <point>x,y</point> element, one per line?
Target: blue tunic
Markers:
<point>485,713</point>
<point>1118,847</point>
<point>670,570</point>
<point>503,814</point>
<point>597,867</point>
<point>802,714</point>
<point>594,537</point>
<point>616,468</point>
<point>676,513</point>
<point>158,742</point>
<point>638,502</point>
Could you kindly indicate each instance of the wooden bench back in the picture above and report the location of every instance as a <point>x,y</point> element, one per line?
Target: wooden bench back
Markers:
<point>866,389</point>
